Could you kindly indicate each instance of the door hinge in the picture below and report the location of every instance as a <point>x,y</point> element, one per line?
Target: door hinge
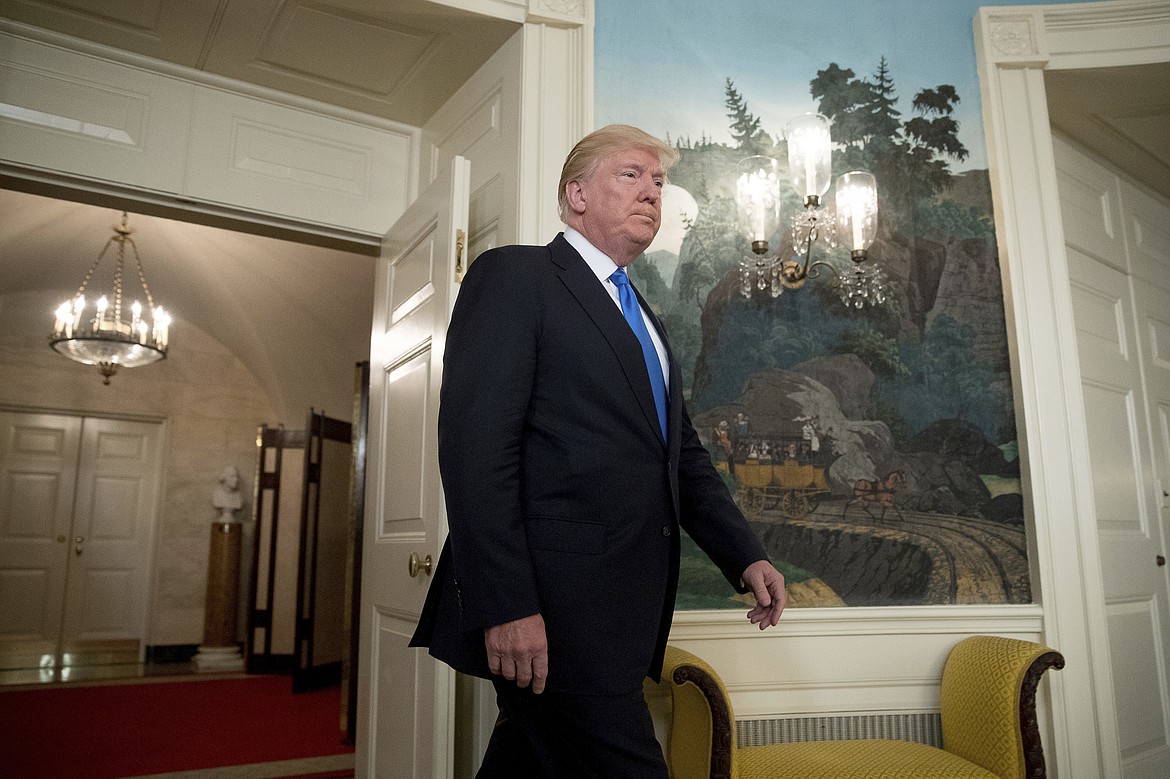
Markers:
<point>460,240</point>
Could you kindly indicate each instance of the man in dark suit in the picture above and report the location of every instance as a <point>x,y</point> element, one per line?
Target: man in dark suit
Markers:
<point>569,465</point>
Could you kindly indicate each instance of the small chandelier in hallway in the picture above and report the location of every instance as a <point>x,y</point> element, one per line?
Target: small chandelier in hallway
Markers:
<point>104,336</point>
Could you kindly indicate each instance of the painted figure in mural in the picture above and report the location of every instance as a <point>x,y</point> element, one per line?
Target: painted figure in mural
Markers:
<point>226,497</point>
<point>570,465</point>
<point>740,431</point>
<point>809,434</point>
<point>723,439</point>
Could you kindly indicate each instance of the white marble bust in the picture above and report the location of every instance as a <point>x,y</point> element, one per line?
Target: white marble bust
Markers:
<point>226,496</point>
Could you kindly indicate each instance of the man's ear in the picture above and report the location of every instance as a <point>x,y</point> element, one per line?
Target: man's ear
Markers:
<point>576,196</point>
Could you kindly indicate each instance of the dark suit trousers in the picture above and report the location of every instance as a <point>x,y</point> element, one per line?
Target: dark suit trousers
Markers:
<point>565,736</point>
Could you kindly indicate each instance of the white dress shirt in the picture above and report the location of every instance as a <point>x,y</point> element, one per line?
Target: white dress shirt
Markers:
<point>603,267</point>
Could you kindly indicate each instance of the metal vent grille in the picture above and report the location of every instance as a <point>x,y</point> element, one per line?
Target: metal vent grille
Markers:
<point>923,728</point>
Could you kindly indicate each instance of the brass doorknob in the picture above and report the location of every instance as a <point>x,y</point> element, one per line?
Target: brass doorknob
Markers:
<point>417,564</point>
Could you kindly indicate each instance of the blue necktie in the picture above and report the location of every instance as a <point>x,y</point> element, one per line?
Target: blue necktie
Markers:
<point>633,313</point>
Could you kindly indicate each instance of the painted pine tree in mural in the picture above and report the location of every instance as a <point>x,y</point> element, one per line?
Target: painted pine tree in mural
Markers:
<point>886,436</point>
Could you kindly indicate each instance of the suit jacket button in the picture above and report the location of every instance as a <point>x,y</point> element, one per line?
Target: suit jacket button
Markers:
<point>665,530</point>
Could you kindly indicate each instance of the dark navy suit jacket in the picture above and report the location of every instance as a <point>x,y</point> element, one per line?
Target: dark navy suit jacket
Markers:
<point>562,498</point>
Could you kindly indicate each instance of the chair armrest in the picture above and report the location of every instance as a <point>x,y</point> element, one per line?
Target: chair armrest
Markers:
<point>988,702</point>
<point>702,726</point>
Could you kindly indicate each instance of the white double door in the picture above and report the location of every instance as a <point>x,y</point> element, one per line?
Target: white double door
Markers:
<point>1117,239</point>
<point>78,497</point>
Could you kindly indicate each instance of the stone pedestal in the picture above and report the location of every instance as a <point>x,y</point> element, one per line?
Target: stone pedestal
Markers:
<point>220,650</point>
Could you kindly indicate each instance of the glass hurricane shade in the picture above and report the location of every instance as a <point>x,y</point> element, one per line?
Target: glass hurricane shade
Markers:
<point>857,208</point>
<point>757,199</point>
<point>810,155</point>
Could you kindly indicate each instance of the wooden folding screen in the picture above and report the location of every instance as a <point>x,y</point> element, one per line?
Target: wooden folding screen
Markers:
<point>321,640</point>
<point>299,552</point>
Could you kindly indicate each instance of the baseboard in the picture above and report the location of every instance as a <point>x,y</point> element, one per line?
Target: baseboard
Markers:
<point>160,654</point>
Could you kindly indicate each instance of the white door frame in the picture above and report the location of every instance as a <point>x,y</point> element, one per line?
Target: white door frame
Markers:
<point>1014,46</point>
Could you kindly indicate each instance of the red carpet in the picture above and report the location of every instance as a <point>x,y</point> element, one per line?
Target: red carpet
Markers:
<point>108,731</point>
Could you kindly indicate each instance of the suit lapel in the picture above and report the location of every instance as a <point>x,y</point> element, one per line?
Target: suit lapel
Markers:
<point>591,295</point>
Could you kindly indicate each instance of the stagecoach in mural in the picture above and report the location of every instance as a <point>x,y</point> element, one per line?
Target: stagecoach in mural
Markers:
<point>789,485</point>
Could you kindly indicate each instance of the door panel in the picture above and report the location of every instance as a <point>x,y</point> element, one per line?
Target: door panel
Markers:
<point>38,472</point>
<point>406,698</point>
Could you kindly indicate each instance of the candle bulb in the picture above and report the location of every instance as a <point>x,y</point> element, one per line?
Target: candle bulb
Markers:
<point>64,318</point>
<point>78,307</point>
<point>161,321</point>
<point>102,305</point>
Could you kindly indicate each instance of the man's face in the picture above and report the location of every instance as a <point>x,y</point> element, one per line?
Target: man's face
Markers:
<point>620,205</point>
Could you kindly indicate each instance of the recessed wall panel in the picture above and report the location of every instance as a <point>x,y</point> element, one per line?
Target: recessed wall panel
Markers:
<point>318,168</point>
<point>65,111</point>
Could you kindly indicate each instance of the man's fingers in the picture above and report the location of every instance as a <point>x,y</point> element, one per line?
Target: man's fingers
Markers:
<point>539,673</point>
<point>518,651</point>
<point>523,676</point>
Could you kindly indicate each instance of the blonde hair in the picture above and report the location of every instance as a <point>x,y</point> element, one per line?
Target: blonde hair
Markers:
<point>597,145</point>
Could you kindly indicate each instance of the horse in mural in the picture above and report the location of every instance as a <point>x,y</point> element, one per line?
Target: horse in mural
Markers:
<point>866,492</point>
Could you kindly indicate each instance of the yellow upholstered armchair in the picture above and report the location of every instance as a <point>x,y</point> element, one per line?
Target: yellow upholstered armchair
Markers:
<point>988,701</point>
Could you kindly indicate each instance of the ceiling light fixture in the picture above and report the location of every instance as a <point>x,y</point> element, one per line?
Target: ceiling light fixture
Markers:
<point>102,336</point>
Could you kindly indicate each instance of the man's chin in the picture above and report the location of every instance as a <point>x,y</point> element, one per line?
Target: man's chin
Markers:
<point>643,239</point>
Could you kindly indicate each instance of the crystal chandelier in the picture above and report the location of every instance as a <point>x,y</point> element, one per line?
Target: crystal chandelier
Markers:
<point>758,201</point>
<point>102,336</point>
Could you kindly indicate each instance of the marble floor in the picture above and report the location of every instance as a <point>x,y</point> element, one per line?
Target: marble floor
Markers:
<point>91,661</point>
<point>51,673</point>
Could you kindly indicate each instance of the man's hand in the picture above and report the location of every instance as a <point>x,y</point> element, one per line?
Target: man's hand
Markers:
<point>767,584</point>
<point>518,651</point>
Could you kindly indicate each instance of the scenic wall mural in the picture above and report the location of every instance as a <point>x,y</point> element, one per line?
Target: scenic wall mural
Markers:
<point>874,450</point>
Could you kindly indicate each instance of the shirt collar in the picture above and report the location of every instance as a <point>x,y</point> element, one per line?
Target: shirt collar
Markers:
<point>598,262</point>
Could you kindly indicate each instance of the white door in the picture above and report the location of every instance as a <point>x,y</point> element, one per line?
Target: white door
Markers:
<point>109,564</point>
<point>1123,338</point>
<point>77,508</point>
<point>38,471</point>
<point>406,699</point>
